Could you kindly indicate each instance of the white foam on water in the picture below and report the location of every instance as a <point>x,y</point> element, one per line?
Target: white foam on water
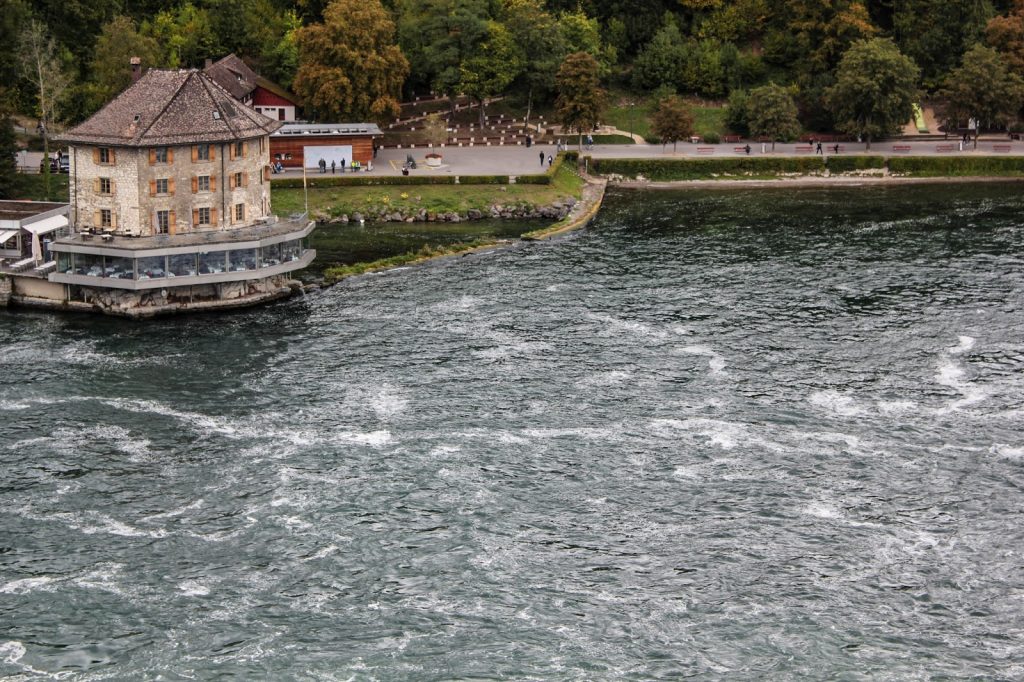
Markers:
<point>325,552</point>
<point>897,406</point>
<point>105,578</point>
<point>966,344</point>
<point>603,379</point>
<point>374,439</point>
<point>715,361</point>
<point>457,304</point>
<point>388,403</point>
<point>26,585</point>
<point>14,406</point>
<point>618,325</point>
<point>92,523</point>
<point>198,504</point>
<point>951,374</point>
<point>822,510</point>
<point>1007,452</point>
<point>193,588</point>
<point>198,422</point>
<point>837,402</point>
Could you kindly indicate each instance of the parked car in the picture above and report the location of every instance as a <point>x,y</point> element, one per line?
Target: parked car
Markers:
<point>60,164</point>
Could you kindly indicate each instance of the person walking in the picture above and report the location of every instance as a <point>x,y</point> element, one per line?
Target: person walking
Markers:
<point>332,168</point>
<point>542,159</point>
<point>747,149</point>
<point>323,166</point>
<point>343,165</point>
<point>817,150</point>
<point>551,160</point>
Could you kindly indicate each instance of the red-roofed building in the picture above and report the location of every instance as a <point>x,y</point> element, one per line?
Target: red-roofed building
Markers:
<point>253,90</point>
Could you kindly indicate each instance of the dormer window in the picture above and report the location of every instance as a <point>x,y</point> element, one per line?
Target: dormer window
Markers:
<point>216,115</point>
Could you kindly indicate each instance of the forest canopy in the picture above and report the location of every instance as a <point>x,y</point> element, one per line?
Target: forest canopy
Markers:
<point>354,59</point>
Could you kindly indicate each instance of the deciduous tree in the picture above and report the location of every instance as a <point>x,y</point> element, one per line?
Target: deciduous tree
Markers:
<point>8,152</point>
<point>580,97</point>
<point>42,66</point>
<point>349,66</point>
<point>875,89</point>
<point>983,88</point>
<point>771,113</point>
<point>119,41</point>
<point>672,121</point>
<point>493,68</point>
<point>1006,34</point>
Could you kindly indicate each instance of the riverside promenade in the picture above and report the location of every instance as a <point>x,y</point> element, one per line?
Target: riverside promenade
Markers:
<point>520,160</point>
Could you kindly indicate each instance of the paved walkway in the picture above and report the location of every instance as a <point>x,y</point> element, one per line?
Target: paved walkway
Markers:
<point>519,160</point>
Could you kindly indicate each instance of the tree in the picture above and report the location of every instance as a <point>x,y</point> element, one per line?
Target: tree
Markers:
<point>672,121</point>
<point>119,41</point>
<point>937,33</point>
<point>185,35</point>
<point>1006,34</point>
<point>580,97</point>
<point>771,113</point>
<point>349,66</point>
<point>42,66</point>
<point>438,36</point>
<point>662,60</point>
<point>875,89</point>
<point>541,48</point>
<point>493,68</point>
<point>8,152</point>
<point>983,89</point>
<point>736,112</point>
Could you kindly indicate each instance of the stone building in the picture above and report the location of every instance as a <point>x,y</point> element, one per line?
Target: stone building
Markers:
<point>170,204</point>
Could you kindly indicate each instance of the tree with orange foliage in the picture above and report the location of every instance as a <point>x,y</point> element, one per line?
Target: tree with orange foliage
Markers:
<point>349,66</point>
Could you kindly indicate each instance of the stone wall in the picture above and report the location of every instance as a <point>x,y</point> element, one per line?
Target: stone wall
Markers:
<point>5,290</point>
<point>133,178</point>
<point>184,299</point>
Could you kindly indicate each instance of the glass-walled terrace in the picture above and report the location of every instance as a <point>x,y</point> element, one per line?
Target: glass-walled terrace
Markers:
<point>180,265</point>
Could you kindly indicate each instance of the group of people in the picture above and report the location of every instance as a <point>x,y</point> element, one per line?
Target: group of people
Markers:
<point>323,166</point>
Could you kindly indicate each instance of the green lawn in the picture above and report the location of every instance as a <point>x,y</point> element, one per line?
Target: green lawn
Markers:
<point>336,201</point>
<point>637,118</point>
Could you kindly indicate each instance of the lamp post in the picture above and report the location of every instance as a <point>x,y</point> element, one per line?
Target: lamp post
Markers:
<point>630,105</point>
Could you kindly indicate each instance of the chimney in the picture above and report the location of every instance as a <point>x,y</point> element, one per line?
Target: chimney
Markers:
<point>136,63</point>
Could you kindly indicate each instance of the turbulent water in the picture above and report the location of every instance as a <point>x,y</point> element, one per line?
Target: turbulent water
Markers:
<point>734,435</point>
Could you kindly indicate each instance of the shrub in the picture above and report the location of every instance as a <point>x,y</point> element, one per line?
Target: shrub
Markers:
<point>846,164</point>
<point>712,138</point>
<point>693,169</point>
<point>955,166</point>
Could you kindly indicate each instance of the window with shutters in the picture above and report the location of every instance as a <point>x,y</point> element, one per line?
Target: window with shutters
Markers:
<point>160,155</point>
<point>106,217</point>
<point>203,183</point>
<point>163,222</point>
<point>161,186</point>
<point>105,157</point>
<point>203,216</point>
<point>239,150</point>
<point>203,152</point>
<point>239,212</point>
<point>105,186</point>
<point>238,180</point>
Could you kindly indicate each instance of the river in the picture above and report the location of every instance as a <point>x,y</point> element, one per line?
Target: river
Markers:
<point>732,435</point>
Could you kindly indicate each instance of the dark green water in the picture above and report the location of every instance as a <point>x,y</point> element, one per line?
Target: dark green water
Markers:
<point>735,435</point>
<point>348,243</point>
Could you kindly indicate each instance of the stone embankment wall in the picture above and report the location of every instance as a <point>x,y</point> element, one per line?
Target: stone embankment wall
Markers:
<point>558,210</point>
<point>183,299</point>
<point>5,291</point>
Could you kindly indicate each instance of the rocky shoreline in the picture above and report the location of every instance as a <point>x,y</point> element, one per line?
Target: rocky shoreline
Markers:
<point>558,210</point>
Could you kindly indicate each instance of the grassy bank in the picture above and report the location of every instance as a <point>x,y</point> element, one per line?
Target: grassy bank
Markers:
<point>426,252</point>
<point>439,198</point>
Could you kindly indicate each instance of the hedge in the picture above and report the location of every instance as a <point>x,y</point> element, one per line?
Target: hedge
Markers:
<point>954,166</point>
<point>847,164</point>
<point>690,169</point>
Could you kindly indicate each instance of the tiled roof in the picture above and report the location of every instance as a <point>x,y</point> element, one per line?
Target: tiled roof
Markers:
<point>166,108</point>
<point>234,75</point>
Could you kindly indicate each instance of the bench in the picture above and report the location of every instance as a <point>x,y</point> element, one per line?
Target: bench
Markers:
<point>804,148</point>
<point>1002,148</point>
<point>741,150</point>
<point>901,148</point>
<point>731,139</point>
<point>944,148</point>
<point>705,150</point>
